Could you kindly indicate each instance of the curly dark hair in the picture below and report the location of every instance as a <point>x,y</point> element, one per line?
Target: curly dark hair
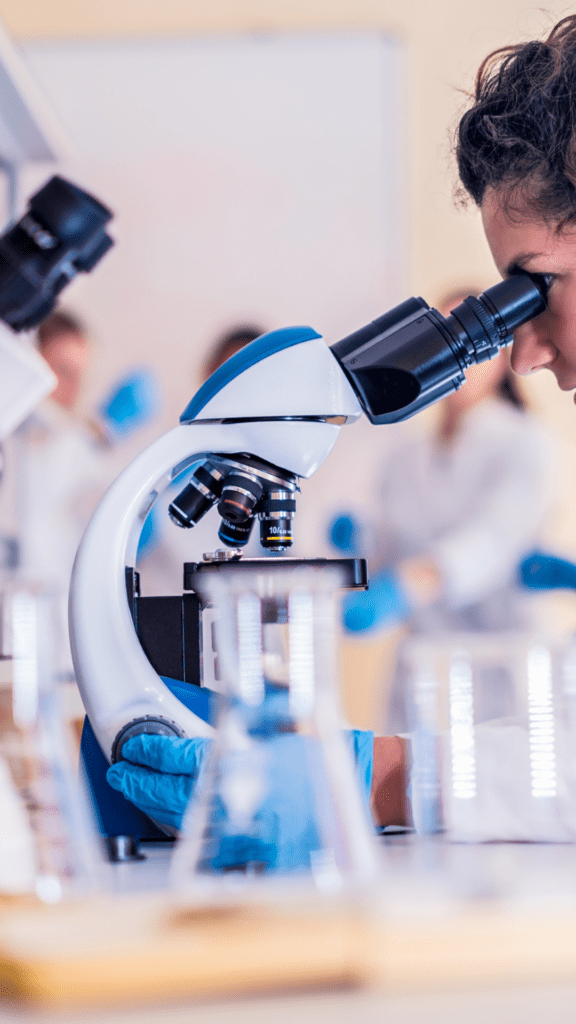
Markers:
<point>519,137</point>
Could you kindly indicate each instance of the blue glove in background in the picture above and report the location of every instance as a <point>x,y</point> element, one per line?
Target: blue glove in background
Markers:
<point>344,533</point>
<point>540,571</point>
<point>160,773</point>
<point>381,605</point>
<point>133,401</point>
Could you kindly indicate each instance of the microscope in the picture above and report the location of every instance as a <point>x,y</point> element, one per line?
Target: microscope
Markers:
<point>261,424</point>
<point>60,235</point>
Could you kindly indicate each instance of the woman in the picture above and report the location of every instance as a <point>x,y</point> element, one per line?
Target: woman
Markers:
<point>516,152</point>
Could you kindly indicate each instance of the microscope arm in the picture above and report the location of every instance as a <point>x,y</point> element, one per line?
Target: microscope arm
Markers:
<point>117,682</point>
<point>283,402</point>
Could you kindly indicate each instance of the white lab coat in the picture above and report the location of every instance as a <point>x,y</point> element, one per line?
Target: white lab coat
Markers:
<point>475,506</point>
<point>55,474</point>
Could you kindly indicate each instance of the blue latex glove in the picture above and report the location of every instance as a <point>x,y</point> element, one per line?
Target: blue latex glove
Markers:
<point>160,773</point>
<point>133,401</point>
<point>540,571</point>
<point>381,605</point>
<point>344,533</point>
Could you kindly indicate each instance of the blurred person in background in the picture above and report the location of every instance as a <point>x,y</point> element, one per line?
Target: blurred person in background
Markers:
<point>59,463</point>
<point>63,470</point>
<point>457,511</point>
<point>227,345</point>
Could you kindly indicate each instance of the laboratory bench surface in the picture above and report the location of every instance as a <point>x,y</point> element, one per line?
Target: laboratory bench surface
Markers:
<point>524,872</point>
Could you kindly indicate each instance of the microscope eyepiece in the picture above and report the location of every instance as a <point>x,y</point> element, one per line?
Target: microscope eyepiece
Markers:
<point>412,356</point>
<point>511,303</point>
<point>61,235</point>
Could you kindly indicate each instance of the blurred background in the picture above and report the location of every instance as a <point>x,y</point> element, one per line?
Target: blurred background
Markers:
<point>275,164</point>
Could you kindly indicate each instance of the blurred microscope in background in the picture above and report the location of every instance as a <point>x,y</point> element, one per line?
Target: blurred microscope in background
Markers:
<point>47,843</point>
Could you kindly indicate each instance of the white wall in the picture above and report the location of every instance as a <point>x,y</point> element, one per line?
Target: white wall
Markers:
<point>255,180</point>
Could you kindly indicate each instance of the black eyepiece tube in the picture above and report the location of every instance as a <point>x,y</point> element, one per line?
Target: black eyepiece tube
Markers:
<point>512,303</point>
<point>62,234</point>
<point>412,356</point>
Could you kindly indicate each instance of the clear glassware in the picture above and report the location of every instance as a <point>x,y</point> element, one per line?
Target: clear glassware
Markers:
<point>279,798</point>
<point>49,829</point>
<point>492,720</point>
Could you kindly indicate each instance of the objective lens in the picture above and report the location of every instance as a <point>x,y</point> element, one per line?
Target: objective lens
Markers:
<point>276,515</point>
<point>199,495</point>
<point>240,495</point>
<point>235,535</point>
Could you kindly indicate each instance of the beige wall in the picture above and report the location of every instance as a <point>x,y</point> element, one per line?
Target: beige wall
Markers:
<point>445,41</point>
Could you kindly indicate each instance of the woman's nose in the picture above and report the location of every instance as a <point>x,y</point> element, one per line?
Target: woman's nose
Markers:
<point>531,351</point>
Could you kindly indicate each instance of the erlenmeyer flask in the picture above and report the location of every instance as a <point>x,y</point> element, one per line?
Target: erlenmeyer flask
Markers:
<point>279,797</point>
<point>50,820</point>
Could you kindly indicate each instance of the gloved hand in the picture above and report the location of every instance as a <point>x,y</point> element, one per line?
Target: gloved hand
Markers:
<point>344,533</point>
<point>133,401</point>
<point>160,772</point>
<point>540,571</point>
<point>381,605</point>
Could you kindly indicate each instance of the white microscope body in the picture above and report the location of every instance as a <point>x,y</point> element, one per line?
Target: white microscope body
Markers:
<point>281,400</point>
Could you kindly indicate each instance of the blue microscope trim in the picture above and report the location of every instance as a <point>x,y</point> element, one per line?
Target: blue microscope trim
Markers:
<point>116,816</point>
<point>266,345</point>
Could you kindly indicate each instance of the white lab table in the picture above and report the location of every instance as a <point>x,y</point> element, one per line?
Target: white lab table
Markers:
<point>545,871</point>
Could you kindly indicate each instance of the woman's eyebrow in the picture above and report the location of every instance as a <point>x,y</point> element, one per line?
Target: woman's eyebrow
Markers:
<point>520,261</point>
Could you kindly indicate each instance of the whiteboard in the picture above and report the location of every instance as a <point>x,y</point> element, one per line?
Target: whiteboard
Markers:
<point>253,179</point>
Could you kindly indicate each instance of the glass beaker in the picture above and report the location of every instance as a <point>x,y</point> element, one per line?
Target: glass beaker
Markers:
<point>50,821</point>
<point>491,721</point>
<point>279,797</point>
